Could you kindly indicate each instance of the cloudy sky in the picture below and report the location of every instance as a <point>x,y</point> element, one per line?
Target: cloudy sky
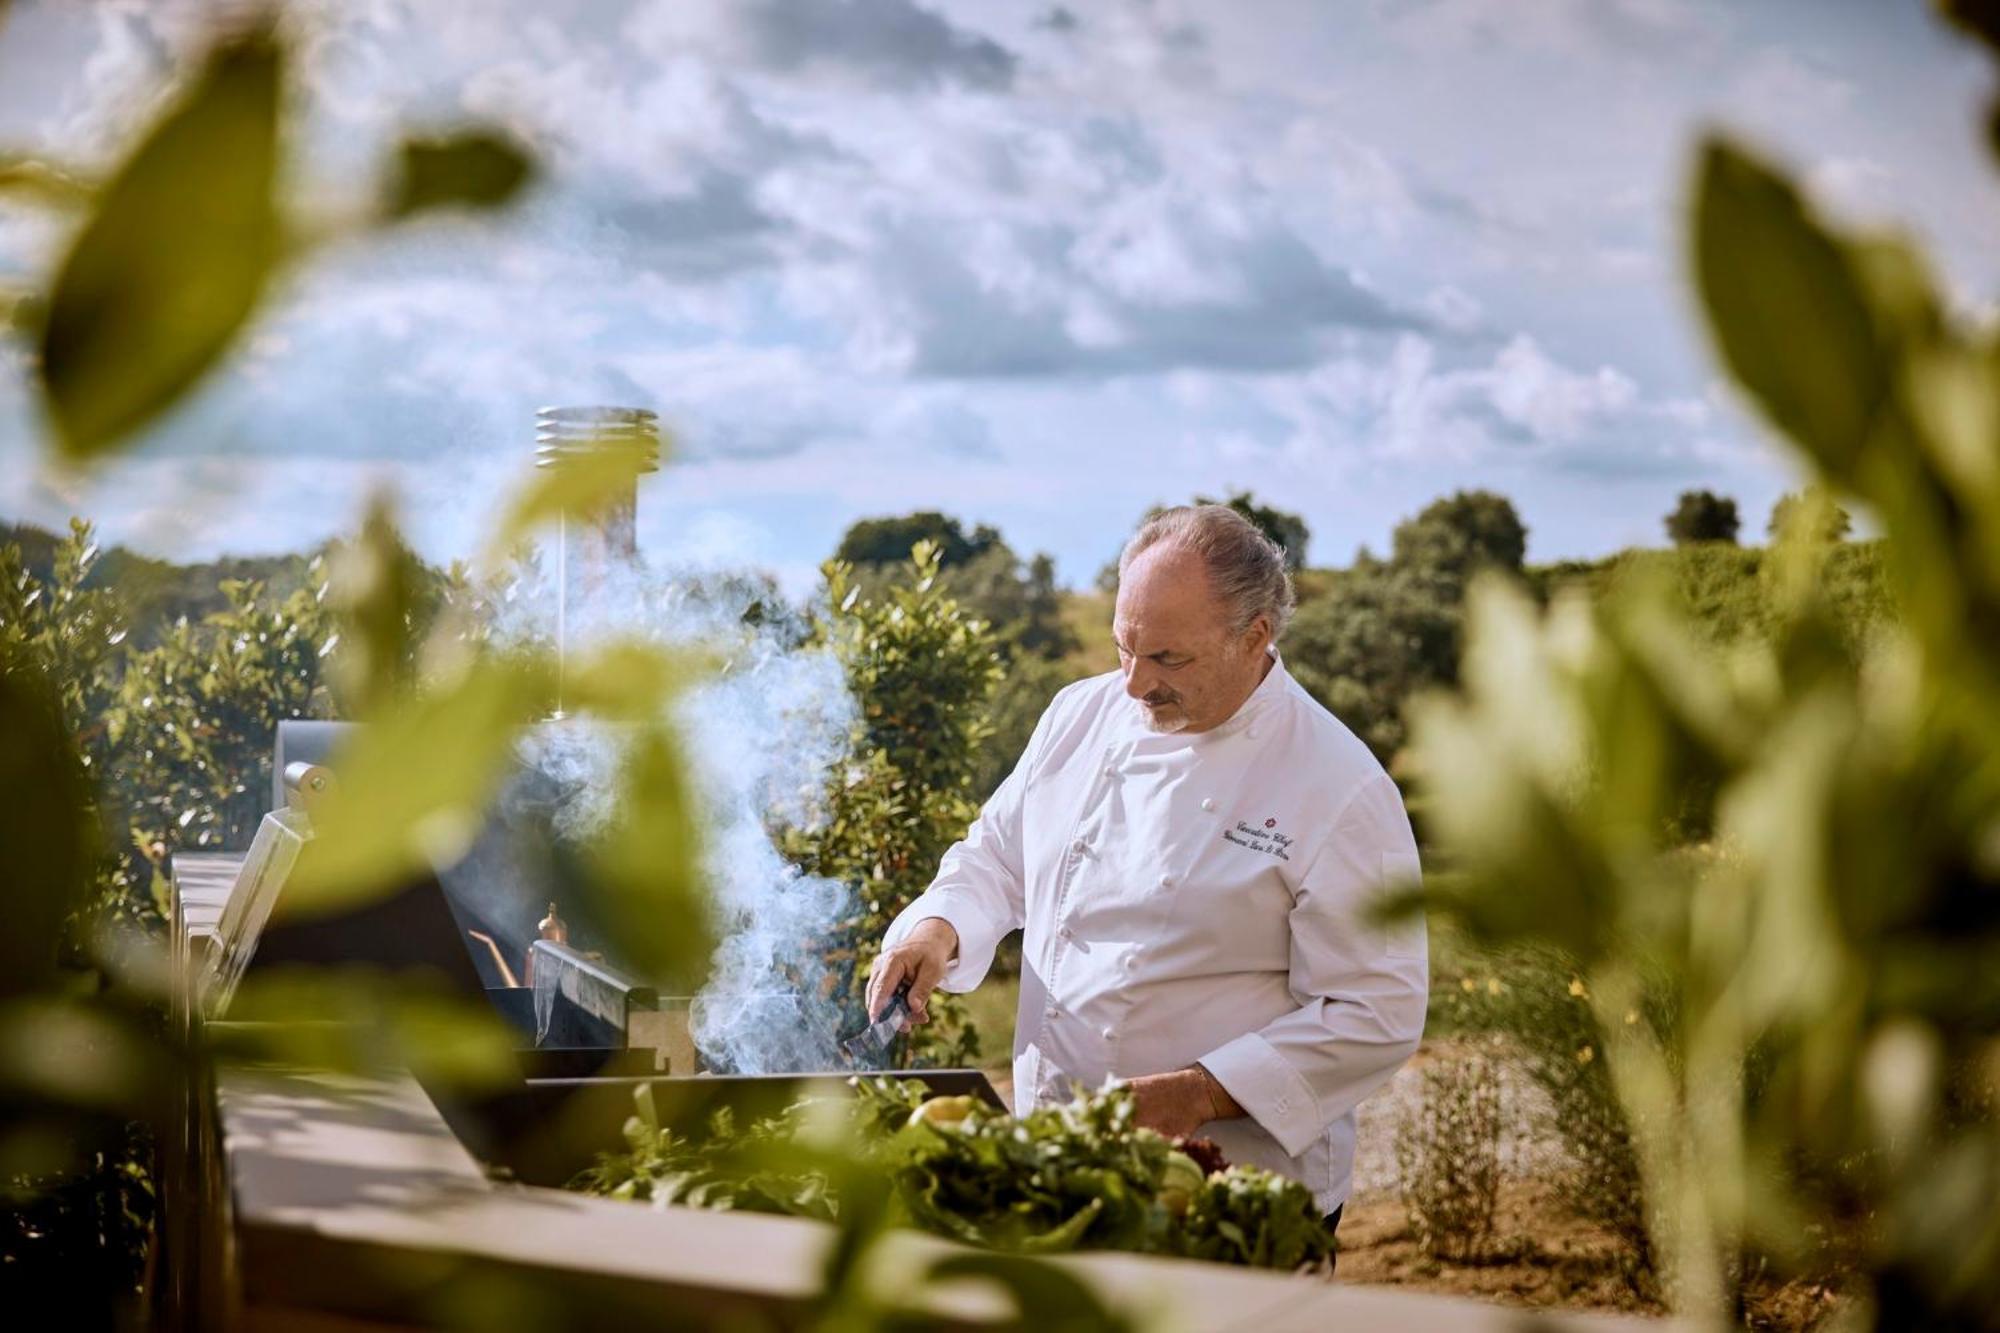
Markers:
<point>1039,266</point>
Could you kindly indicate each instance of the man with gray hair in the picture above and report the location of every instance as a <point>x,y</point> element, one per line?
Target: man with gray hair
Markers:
<point>1191,845</point>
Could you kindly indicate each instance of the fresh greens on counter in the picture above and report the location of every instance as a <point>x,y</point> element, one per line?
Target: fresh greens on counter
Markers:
<point>1081,1176</point>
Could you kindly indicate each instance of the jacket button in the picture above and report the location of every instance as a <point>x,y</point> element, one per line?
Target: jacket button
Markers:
<point>1284,1105</point>
<point>1079,846</point>
<point>1131,959</point>
<point>1110,1033</point>
<point>1166,881</point>
<point>1208,803</point>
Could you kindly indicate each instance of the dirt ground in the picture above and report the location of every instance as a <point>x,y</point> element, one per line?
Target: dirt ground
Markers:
<point>1543,1256</point>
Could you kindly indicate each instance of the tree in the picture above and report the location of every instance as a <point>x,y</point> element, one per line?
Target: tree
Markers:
<point>1814,514</point>
<point>888,541</point>
<point>1703,516</point>
<point>1463,532</point>
<point>1376,636</point>
<point>1382,631</point>
<point>922,671</point>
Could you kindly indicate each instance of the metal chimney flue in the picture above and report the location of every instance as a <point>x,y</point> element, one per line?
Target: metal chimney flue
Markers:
<point>594,544</point>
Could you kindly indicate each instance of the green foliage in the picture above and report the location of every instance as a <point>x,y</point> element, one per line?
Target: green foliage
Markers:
<point>1808,516</point>
<point>922,672</point>
<point>412,787</point>
<point>1080,1176</point>
<point>195,713</point>
<point>1028,684</point>
<point>1019,601</point>
<point>1376,635</point>
<point>1533,1000</point>
<point>1731,594</point>
<point>1255,1219</point>
<point>1831,1063</point>
<point>888,541</point>
<point>1703,516</point>
<point>46,828</point>
<point>177,735</point>
<point>1023,611</point>
<point>1461,534</point>
<point>476,169</point>
<point>76,1064</point>
<point>154,595</point>
<point>65,631</point>
<point>169,267</point>
<point>81,1231</point>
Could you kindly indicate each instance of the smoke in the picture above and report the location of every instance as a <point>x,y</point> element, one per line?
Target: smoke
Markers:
<point>760,735</point>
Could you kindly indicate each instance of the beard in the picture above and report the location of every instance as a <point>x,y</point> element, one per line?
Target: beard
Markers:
<point>1166,717</point>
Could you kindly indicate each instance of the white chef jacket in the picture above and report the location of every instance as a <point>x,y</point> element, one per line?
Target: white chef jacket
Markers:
<point>1198,898</point>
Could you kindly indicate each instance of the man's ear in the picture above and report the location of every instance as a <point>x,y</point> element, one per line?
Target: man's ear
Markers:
<point>1258,637</point>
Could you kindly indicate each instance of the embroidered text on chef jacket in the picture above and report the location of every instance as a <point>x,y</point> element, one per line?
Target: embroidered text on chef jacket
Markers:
<point>1202,898</point>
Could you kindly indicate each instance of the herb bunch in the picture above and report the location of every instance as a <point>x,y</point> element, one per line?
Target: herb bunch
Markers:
<point>1080,1176</point>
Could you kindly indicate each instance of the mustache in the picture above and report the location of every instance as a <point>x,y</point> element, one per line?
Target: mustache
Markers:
<point>1159,698</point>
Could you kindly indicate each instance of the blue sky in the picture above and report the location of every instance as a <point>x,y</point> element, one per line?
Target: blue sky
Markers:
<point>1040,266</point>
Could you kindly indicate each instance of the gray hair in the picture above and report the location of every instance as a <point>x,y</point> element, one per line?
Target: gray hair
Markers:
<point>1246,567</point>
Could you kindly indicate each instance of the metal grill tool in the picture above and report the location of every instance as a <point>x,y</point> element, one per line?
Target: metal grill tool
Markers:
<point>867,1048</point>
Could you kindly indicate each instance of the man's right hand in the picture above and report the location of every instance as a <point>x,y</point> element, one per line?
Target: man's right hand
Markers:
<point>923,956</point>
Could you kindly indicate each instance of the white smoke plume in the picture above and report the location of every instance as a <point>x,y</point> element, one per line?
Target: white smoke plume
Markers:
<point>760,735</point>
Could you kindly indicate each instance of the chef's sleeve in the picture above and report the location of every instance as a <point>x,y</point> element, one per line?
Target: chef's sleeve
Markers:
<point>980,884</point>
<point>1362,989</point>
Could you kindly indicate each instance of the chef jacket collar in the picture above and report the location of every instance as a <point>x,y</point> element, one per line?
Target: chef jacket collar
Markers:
<point>1267,692</point>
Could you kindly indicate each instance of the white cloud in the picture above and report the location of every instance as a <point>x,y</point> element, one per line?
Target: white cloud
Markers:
<point>1555,403</point>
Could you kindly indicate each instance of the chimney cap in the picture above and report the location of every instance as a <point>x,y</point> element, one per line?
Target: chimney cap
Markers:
<point>565,434</point>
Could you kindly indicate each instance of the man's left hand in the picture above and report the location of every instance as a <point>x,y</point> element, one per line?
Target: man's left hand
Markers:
<point>1179,1103</point>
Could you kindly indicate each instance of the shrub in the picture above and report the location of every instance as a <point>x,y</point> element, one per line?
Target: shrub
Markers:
<point>922,673</point>
<point>1448,1159</point>
<point>1535,1000</point>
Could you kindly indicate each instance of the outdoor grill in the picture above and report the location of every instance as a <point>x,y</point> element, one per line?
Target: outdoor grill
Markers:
<point>590,1033</point>
<point>506,922</point>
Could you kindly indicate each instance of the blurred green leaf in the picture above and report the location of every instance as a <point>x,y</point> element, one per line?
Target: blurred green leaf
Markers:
<point>579,487</point>
<point>42,182</point>
<point>67,1053</point>
<point>414,783</point>
<point>45,838</point>
<point>357,1020</point>
<point>373,587</point>
<point>475,169</point>
<point>622,682</point>
<point>173,260</point>
<point>644,865</point>
<point>1787,310</point>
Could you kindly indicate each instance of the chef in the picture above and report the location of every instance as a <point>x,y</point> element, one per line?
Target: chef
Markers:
<point>1190,845</point>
